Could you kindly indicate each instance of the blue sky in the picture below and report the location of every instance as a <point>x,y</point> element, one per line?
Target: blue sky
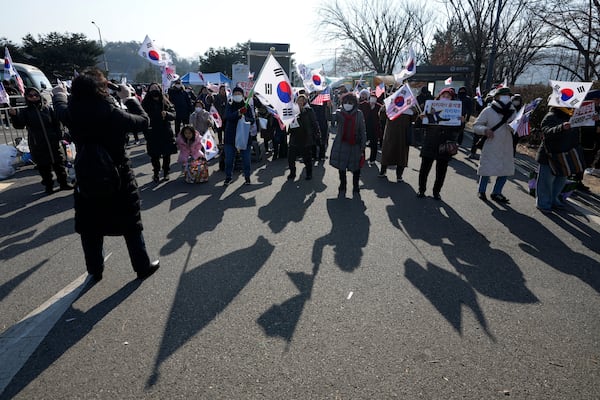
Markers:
<point>187,27</point>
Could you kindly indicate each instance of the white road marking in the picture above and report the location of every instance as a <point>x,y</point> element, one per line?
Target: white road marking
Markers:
<point>19,342</point>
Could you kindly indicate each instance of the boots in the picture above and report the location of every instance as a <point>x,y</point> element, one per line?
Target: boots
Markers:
<point>355,179</point>
<point>292,174</point>
<point>342,187</point>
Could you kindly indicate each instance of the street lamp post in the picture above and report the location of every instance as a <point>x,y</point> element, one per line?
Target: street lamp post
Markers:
<point>102,45</point>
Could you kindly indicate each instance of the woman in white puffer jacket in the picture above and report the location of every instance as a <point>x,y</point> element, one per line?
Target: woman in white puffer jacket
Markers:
<point>497,157</point>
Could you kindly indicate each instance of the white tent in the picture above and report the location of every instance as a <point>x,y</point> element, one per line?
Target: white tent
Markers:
<point>195,78</point>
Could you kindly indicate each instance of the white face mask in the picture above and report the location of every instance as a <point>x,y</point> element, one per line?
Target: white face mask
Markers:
<point>238,98</point>
<point>198,109</point>
<point>504,99</point>
<point>348,107</point>
<point>373,100</point>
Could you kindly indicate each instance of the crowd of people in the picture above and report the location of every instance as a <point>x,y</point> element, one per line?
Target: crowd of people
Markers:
<point>174,122</point>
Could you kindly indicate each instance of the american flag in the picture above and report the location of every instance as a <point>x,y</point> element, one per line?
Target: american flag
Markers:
<point>322,97</point>
<point>521,122</point>
<point>275,115</point>
<point>380,89</point>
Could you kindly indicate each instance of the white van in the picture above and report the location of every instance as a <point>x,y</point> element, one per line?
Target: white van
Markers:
<point>32,77</point>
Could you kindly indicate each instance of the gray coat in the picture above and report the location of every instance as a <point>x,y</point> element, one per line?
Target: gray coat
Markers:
<point>343,155</point>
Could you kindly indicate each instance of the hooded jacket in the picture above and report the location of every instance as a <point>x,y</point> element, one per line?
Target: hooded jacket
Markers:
<point>43,130</point>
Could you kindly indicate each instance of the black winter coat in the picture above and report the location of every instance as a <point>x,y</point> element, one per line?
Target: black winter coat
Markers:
<point>101,121</point>
<point>160,139</point>
<point>43,133</point>
<point>554,138</point>
<point>307,131</point>
<point>435,135</point>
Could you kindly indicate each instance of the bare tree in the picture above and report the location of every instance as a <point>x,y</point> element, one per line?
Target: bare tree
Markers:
<point>476,20</point>
<point>521,45</point>
<point>379,31</point>
<point>576,27</point>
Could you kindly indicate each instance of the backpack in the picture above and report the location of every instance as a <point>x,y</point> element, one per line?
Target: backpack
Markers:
<point>96,173</point>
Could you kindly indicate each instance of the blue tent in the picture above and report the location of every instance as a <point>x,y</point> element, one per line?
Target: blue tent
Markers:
<point>195,78</point>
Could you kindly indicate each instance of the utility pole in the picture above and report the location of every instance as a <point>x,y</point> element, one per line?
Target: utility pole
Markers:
<point>102,46</point>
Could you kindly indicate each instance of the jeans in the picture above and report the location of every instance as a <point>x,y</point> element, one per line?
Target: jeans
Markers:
<point>500,181</point>
<point>548,188</point>
<point>230,152</point>
<point>93,251</point>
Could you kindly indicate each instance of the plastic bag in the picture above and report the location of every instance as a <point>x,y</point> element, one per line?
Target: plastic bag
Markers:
<point>242,133</point>
<point>8,155</point>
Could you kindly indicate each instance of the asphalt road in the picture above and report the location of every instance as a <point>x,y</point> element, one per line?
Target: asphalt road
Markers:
<point>286,290</point>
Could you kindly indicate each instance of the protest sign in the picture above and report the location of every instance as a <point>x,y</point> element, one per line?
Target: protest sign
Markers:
<point>443,112</point>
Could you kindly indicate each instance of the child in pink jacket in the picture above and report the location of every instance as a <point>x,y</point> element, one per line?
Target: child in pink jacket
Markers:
<point>189,145</point>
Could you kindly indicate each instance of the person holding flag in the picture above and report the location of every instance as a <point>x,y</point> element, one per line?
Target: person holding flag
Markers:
<point>304,131</point>
<point>236,110</point>
<point>497,158</point>
<point>43,136</point>
<point>348,147</point>
<point>557,138</point>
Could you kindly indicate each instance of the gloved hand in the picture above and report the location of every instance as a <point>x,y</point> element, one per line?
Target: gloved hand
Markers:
<point>124,92</point>
<point>243,110</point>
<point>59,89</point>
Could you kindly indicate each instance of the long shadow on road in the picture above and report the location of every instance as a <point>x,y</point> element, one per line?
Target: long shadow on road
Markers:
<point>479,267</point>
<point>541,243</point>
<point>64,336</point>
<point>349,235</point>
<point>204,292</point>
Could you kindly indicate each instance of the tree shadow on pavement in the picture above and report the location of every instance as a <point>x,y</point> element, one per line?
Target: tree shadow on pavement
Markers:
<point>349,235</point>
<point>542,244</point>
<point>66,335</point>
<point>204,292</point>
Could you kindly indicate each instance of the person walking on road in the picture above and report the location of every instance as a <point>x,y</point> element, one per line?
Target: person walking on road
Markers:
<point>436,135</point>
<point>304,132</point>
<point>348,147</point>
<point>160,139</point>
<point>95,120</point>
<point>497,157</point>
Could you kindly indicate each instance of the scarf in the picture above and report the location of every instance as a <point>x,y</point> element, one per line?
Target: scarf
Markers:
<point>503,109</point>
<point>349,136</point>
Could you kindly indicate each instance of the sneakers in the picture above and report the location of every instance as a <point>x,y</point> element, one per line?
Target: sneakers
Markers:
<point>399,179</point>
<point>247,182</point>
<point>227,181</point>
<point>152,268</point>
<point>473,156</point>
<point>437,196</point>
<point>371,163</point>
<point>499,198</point>
<point>482,196</point>
<point>155,178</point>
<point>421,195</point>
